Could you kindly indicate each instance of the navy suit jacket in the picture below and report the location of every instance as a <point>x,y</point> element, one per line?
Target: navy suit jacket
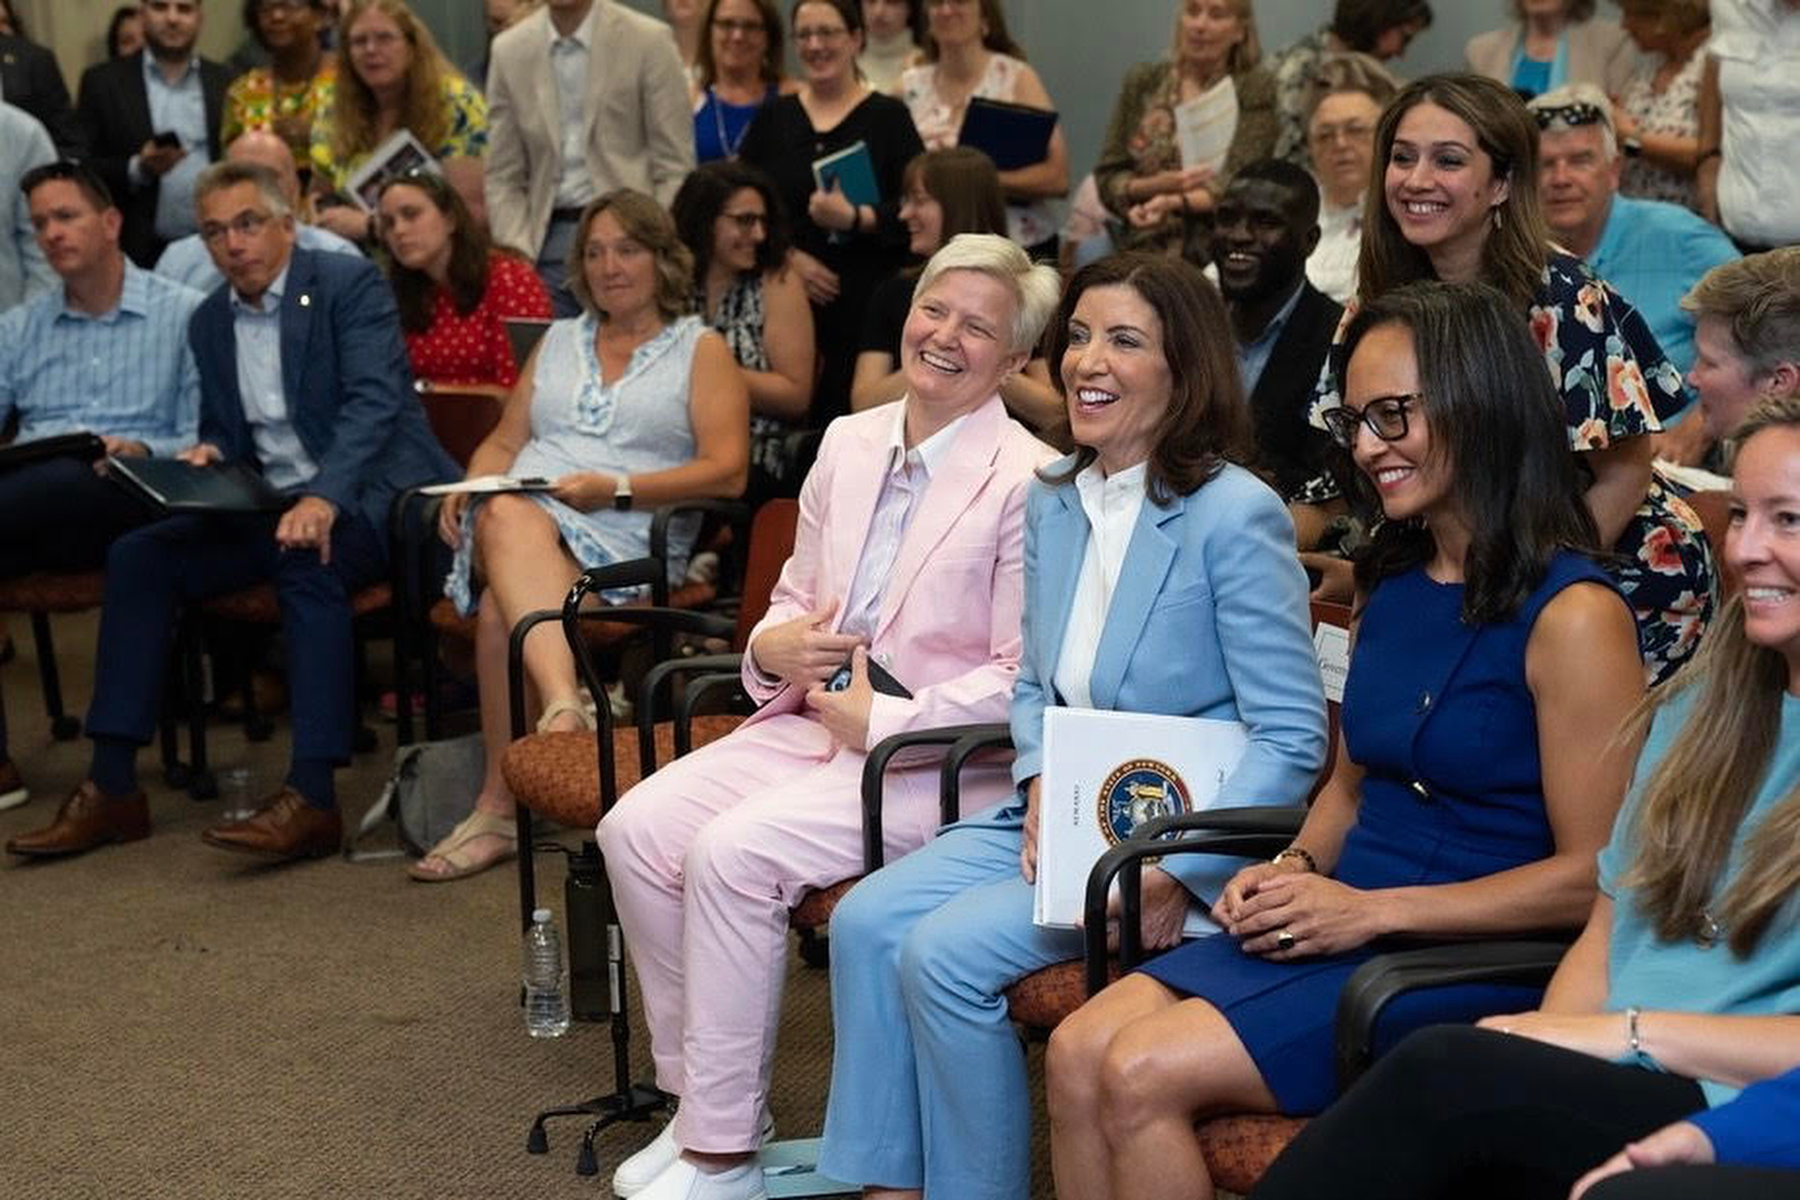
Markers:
<point>1209,619</point>
<point>114,107</point>
<point>345,375</point>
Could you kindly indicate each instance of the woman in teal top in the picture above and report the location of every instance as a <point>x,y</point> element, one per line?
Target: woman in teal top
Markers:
<point>1684,986</point>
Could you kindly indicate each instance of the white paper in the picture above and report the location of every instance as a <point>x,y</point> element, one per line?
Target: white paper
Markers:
<point>1692,478</point>
<point>1332,645</point>
<point>1106,772</point>
<point>398,154</point>
<point>483,485</point>
<point>1205,125</point>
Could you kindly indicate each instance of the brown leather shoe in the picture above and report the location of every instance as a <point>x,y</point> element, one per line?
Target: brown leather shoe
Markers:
<point>12,787</point>
<point>286,827</point>
<point>88,818</point>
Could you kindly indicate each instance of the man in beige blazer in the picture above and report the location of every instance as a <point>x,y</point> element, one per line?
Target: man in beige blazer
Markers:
<point>584,96</point>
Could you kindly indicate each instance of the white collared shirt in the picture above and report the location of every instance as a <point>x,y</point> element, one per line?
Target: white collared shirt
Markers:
<point>903,483</point>
<point>1331,267</point>
<point>257,331</point>
<point>1112,503</point>
<point>571,59</point>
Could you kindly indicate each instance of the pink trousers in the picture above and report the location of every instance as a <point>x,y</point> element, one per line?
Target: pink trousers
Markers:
<point>706,857</point>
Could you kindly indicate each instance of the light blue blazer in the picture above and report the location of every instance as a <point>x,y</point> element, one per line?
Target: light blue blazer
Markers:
<point>1209,619</point>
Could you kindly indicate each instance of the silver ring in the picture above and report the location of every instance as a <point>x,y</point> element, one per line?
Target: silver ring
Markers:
<point>1284,940</point>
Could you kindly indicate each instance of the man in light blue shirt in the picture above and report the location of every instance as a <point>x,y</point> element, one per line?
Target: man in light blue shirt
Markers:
<point>188,260</point>
<point>1651,252</point>
<point>106,353</point>
<point>24,144</point>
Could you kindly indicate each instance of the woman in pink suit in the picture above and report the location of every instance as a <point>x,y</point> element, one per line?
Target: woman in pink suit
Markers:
<point>908,552</point>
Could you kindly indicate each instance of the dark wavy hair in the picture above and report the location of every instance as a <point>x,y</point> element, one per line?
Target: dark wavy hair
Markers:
<point>703,196</point>
<point>470,256</point>
<point>1501,433</point>
<point>1513,255</point>
<point>1208,421</point>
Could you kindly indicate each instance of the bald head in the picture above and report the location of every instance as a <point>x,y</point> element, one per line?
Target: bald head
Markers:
<point>266,149</point>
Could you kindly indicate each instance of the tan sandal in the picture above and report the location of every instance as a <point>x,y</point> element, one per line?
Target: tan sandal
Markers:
<point>556,708</point>
<point>455,850</point>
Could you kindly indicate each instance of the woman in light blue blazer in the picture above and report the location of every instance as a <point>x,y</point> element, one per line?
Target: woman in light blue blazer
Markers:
<point>1160,578</point>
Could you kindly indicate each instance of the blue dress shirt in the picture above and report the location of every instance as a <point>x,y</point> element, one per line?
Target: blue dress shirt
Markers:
<point>128,373</point>
<point>179,108</point>
<point>285,462</point>
<point>1652,252</point>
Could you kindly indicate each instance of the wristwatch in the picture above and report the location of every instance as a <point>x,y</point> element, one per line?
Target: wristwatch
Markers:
<point>622,493</point>
<point>1632,146</point>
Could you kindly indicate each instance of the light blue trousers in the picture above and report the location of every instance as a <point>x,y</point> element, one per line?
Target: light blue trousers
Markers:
<point>928,1084</point>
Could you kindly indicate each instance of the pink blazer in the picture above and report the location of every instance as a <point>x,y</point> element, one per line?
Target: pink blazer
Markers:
<point>949,622</point>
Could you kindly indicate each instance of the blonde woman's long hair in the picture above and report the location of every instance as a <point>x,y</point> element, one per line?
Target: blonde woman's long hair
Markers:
<point>1695,800</point>
<point>423,111</point>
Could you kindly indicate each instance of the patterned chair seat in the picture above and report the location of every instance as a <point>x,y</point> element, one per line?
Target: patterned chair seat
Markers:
<point>1239,1149</point>
<point>557,775</point>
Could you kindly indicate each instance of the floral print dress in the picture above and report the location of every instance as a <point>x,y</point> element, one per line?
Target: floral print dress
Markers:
<point>1615,383</point>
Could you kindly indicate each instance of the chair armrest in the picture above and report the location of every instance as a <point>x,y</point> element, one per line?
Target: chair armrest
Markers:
<point>994,736</point>
<point>875,772</point>
<point>707,668</point>
<point>698,689</point>
<point>1386,977</point>
<point>1256,832</point>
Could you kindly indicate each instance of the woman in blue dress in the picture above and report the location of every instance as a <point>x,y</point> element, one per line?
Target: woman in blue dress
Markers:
<point>1685,984</point>
<point>1478,776</point>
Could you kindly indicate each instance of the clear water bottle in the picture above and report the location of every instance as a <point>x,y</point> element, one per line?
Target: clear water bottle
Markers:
<point>546,999</point>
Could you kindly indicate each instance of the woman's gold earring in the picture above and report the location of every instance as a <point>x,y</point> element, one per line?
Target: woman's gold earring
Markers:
<point>1498,222</point>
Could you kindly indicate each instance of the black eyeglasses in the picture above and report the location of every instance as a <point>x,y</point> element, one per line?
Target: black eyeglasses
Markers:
<point>1385,417</point>
<point>1571,115</point>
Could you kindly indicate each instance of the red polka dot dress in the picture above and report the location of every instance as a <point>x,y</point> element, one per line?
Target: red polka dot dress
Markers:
<point>463,349</point>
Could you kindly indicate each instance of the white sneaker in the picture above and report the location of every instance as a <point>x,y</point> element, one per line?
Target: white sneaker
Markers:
<point>684,1181</point>
<point>637,1172</point>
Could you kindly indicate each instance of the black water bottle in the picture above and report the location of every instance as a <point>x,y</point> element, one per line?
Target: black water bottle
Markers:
<point>587,936</point>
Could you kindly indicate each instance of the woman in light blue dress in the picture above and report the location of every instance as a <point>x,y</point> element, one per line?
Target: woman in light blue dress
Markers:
<point>629,406</point>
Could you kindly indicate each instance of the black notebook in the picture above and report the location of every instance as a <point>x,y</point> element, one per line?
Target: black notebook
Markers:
<point>1013,135</point>
<point>85,446</point>
<point>175,486</point>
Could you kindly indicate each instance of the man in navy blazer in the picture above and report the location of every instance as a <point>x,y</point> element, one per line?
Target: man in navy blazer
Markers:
<point>303,377</point>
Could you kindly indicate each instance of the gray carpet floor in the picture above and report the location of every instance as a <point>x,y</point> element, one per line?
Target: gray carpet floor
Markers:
<point>180,1022</point>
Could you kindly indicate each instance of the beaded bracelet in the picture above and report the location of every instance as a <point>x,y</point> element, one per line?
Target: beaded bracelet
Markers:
<point>1301,853</point>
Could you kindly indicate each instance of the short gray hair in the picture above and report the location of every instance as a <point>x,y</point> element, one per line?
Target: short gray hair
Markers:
<point>1035,287</point>
<point>1577,93</point>
<point>231,172</point>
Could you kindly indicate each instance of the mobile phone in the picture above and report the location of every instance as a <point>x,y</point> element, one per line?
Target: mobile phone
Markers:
<point>168,139</point>
<point>879,679</point>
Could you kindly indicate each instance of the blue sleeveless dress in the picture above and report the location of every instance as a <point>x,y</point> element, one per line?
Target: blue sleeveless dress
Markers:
<point>1438,714</point>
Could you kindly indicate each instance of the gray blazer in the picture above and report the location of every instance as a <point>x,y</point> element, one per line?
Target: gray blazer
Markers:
<point>1599,53</point>
<point>637,114</point>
